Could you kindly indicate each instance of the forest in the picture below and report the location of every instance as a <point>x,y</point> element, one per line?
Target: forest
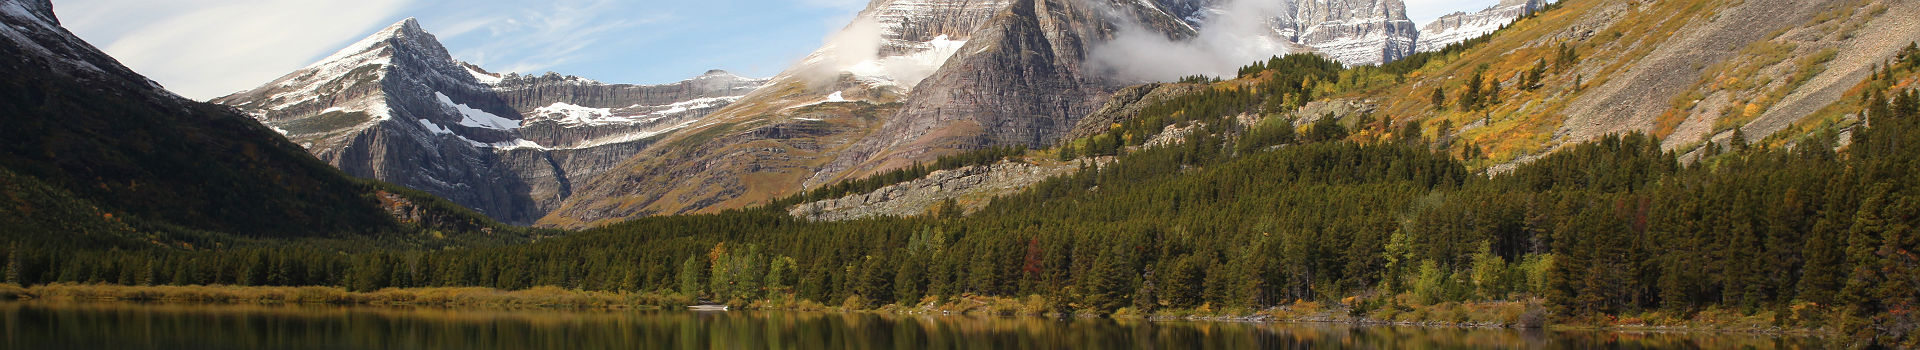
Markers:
<point>1250,215</point>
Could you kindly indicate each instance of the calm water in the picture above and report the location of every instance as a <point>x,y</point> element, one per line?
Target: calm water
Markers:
<point>134,326</point>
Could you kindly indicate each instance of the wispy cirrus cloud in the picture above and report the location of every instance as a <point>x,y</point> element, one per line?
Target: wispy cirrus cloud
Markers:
<point>536,39</point>
<point>207,48</point>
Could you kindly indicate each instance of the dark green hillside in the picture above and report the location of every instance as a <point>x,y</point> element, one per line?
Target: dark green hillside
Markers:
<point>94,156</point>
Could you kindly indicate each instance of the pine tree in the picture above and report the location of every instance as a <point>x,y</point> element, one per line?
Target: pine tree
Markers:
<point>1472,96</point>
<point>1739,139</point>
<point>1863,244</point>
<point>1565,57</point>
<point>1439,99</point>
<point>1535,75</point>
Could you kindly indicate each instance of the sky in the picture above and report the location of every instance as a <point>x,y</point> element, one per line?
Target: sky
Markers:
<point>204,49</point>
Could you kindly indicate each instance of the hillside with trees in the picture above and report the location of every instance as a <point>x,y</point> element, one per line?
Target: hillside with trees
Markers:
<point>1807,236</point>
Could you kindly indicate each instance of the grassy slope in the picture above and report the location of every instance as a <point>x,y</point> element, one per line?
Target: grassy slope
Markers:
<point>1612,39</point>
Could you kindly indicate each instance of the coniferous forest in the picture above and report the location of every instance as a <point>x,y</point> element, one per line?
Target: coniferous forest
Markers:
<point>1249,216</point>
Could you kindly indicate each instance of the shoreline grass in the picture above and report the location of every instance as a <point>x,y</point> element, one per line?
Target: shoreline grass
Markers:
<point>478,297</point>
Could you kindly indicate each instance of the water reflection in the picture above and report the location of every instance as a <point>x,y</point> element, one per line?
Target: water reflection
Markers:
<point>136,326</point>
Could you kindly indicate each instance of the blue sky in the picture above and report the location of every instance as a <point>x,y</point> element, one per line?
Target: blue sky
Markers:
<point>207,48</point>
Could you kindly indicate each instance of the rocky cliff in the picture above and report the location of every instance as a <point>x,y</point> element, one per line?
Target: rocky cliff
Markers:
<point>973,186</point>
<point>1354,32</point>
<point>1460,26</point>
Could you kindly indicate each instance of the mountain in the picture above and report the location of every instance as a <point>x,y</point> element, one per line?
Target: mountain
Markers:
<point>1354,32</point>
<point>1460,26</point>
<point>911,80</point>
<point>397,107</point>
<point>100,155</point>
<point>906,81</point>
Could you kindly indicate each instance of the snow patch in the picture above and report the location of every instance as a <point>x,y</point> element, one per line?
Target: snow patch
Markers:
<point>574,115</point>
<point>570,114</point>
<point>688,105</point>
<point>435,128</point>
<point>908,70</point>
<point>484,78</point>
<point>517,144</point>
<point>835,97</point>
<point>471,117</point>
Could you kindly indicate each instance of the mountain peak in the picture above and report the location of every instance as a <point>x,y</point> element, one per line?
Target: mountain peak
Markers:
<point>406,32</point>
<point>37,8</point>
<point>407,26</point>
<point>404,29</point>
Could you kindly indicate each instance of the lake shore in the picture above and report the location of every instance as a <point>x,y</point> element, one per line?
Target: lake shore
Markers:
<point>1528,314</point>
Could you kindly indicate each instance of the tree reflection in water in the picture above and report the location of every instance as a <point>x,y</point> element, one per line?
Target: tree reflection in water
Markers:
<point>36,325</point>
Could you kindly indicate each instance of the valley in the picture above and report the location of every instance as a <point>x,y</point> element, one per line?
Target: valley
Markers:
<point>1610,164</point>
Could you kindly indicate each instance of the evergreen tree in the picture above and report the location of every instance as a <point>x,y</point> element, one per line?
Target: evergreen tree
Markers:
<point>1472,96</point>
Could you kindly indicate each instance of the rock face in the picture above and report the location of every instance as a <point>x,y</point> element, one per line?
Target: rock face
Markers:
<point>1354,32</point>
<point>975,184</point>
<point>1126,104</point>
<point>1018,81</point>
<point>908,80</point>
<point>1460,26</point>
<point>396,107</point>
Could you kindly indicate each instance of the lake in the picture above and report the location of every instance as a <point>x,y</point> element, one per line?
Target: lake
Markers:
<point>47,325</point>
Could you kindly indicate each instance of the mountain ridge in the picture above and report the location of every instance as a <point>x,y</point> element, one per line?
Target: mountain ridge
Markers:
<point>397,107</point>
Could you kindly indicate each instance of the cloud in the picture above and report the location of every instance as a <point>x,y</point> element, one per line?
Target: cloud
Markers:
<point>538,39</point>
<point>208,48</point>
<point>1238,34</point>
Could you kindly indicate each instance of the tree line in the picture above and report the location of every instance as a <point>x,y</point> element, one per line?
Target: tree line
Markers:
<point>1250,217</point>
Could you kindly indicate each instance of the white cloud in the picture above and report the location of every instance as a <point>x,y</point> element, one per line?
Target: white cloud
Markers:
<point>208,48</point>
<point>537,39</point>
<point>1238,35</point>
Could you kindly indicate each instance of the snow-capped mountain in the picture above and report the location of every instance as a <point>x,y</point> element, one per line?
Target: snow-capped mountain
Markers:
<point>905,81</point>
<point>398,108</point>
<point>1460,26</point>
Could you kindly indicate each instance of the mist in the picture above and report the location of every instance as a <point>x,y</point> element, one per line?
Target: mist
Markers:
<point>858,42</point>
<point>1236,35</point>
<point>857,50</point>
